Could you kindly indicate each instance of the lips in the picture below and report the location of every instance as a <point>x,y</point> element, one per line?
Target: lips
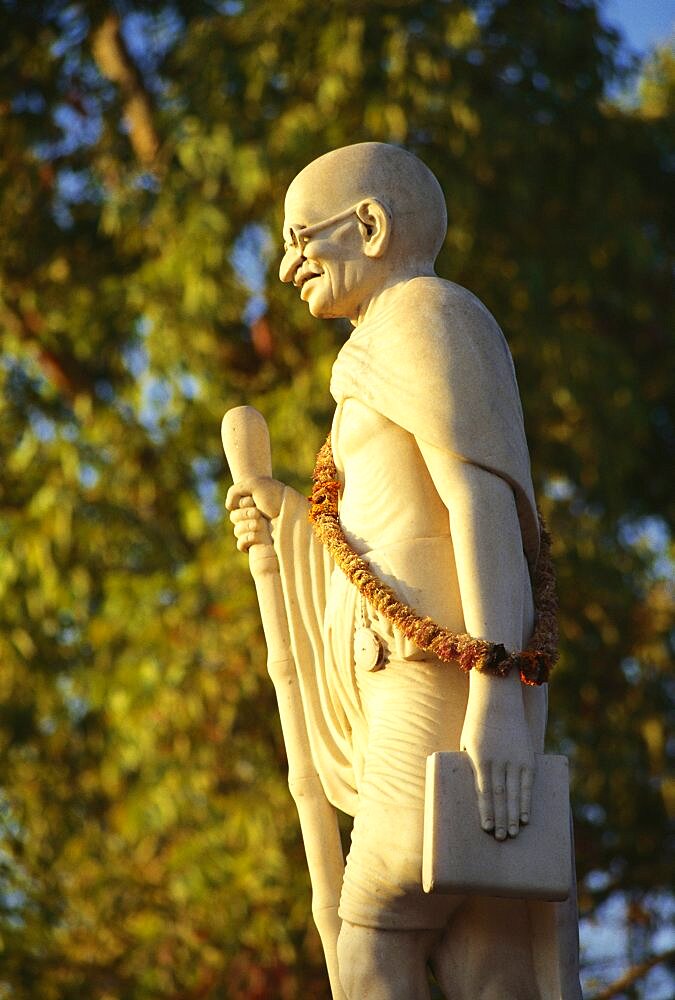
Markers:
<point>305,276</point>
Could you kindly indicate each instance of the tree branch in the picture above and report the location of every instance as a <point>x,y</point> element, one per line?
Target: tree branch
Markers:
<point>632,976</point>
<point>114,61</point>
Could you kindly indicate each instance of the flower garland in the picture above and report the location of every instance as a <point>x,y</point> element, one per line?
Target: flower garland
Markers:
<point>533,663</point>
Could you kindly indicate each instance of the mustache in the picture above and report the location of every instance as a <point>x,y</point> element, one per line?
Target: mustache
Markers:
<point>304,273</point>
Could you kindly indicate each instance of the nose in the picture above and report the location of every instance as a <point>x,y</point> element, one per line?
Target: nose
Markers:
<point>290,262</point>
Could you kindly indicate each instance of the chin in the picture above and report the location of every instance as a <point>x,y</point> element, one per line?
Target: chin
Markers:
<point>323,310</point>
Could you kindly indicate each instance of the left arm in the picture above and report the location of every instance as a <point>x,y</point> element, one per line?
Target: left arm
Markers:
<point>489,557</point>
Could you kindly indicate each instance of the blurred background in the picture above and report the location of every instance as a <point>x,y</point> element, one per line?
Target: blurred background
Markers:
<point>148,844</point>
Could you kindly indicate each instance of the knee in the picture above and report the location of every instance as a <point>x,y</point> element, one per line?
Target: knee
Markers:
<point>358,960</point>
<point>514,988</point>
<point>377,964</point>
<point>503,981</point>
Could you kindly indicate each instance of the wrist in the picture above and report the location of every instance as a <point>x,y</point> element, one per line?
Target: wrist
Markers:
<point>489,691</point>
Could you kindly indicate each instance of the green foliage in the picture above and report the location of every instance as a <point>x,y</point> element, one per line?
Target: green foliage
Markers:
<point>148,846</point>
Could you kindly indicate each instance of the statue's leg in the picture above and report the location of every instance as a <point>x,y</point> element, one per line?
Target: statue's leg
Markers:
<point>412,709</point>
<point>486,952</point>
<point>389,924</point>
<point>377,964</point>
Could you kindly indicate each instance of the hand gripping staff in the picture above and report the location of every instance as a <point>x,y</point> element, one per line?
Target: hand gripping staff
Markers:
<point>247,449</point>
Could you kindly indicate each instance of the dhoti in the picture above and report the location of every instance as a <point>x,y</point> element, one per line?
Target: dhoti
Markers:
<point>370,731</point>
<point>397,715</point>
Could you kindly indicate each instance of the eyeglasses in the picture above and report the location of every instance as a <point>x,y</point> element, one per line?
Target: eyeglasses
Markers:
<point>300,235</point>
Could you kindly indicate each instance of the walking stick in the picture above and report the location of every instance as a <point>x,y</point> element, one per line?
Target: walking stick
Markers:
<point>247,448</point>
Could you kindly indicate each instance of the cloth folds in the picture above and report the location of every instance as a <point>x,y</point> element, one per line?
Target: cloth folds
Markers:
<point>434,361</point>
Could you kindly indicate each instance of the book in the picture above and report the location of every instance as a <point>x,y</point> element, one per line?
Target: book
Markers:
<point>460,857</point>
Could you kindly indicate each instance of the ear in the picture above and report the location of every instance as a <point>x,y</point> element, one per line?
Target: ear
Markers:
<point>375,225</point>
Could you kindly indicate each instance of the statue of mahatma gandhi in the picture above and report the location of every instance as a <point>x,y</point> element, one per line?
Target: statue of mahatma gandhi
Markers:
<point>410,596</point>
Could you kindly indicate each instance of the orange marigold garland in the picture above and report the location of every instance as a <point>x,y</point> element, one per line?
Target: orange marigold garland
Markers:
<point>533,663</point>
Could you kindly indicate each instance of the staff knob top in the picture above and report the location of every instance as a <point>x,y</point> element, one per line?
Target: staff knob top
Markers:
<point>246,441</point>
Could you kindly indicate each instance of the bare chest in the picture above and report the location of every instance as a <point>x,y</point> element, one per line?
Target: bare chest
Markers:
<point>388,495</point>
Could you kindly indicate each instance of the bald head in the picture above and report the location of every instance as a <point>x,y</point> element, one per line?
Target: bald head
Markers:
<point>399,180</point>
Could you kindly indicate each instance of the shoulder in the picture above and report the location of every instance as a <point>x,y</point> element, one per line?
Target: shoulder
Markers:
<point>440,301</point>
<point>439,292</point>
<point>440,319</point>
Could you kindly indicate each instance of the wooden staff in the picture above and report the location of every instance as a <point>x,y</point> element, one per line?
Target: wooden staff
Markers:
<point>247,448</point>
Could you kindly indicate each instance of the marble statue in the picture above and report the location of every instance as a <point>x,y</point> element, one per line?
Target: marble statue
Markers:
<point>436,497</point>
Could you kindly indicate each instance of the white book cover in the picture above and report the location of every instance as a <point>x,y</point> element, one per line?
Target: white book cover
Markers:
<point>459,857</point>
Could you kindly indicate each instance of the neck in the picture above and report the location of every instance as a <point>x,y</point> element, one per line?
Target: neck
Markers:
<point>394,280</point>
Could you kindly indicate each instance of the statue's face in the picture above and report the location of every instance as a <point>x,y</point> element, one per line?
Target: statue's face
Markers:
<point>324,255</point>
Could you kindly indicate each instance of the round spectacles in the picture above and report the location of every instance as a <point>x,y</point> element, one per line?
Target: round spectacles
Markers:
<point>300,235</point>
